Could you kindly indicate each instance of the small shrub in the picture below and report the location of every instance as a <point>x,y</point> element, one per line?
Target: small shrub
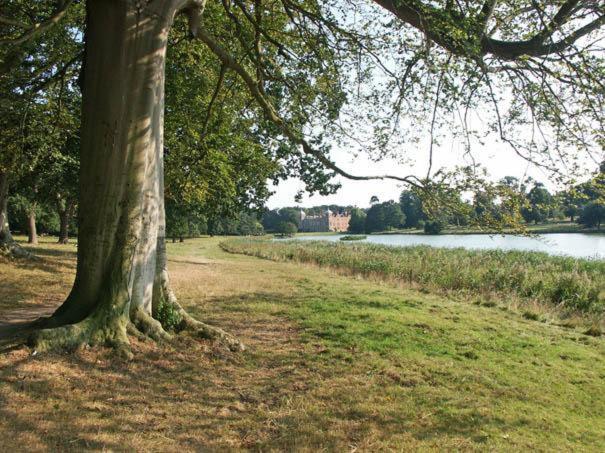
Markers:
<point>168,316</point>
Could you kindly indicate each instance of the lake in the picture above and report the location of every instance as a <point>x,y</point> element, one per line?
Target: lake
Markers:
<point>578,245</point>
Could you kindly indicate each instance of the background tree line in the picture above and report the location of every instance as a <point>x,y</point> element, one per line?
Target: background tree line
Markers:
<point>583,203</point>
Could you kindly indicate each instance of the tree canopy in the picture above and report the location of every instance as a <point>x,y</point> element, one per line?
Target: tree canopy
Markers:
<point>261,90</point>
<point>305,76</point>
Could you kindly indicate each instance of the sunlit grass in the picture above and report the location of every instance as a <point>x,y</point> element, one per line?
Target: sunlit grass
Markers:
<point>333,363</point>
<point>569,285</point>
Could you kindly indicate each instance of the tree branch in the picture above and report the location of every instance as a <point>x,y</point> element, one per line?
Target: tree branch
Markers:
<point>271,114</point>
<point>40,27</point>
<point>432,22</point>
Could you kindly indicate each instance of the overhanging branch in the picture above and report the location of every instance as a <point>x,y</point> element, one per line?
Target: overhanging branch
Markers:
<point>271,113</point>
<point>35,29</point>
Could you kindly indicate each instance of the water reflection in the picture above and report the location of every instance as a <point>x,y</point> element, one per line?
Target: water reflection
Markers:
<point>572,244</point>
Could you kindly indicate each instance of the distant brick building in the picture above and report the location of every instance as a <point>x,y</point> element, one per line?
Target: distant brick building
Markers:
<point>328,221</point>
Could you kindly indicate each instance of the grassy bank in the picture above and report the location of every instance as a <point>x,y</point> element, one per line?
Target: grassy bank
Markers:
<point>333,363</point>
<point>542,228</point>
<point>570,285</point>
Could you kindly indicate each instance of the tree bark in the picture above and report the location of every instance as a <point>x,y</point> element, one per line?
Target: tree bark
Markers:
<point>7,243</point>
<point>121,133</point>
<point>65,212</point>
<point>32,232</point>
<point>121,215</point>
<point>5,234</point>
<point>65,209</point>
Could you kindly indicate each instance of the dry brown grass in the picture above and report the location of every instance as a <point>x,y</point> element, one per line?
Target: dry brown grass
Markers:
<point>186,396</point>
<point>293,389</point>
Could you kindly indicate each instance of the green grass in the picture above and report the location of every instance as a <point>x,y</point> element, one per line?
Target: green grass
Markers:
<point>570,285</point>
<point>334,363</point>
<point>542,228</point>
<point>353,237</point>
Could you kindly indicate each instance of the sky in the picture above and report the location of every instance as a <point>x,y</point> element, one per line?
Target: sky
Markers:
<point>498,158</point>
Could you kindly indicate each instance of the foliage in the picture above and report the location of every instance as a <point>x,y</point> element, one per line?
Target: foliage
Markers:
<point>168,316</point>
<point>411,205</point>
<point>248,225</point>
<point>286,228</point>
<point>593,214</point>
<point>433,226</point>
<point>384,216</point>
<point>358,221</point>
<point>572,285</point>
<point>302,77</point>
<point>348,237</point>
<point>47,220</point>
<point>539,204</point>
<point>271,220</point>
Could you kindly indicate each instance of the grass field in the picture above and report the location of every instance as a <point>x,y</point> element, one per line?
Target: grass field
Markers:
<point>333,362</point>
<point>567,287</point>
<point>541,228</point>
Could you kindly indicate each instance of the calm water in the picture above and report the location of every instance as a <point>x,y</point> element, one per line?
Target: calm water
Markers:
<point>571,244</point>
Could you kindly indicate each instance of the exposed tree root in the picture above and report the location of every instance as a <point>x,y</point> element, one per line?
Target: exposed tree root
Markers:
<point>132,331</point>
<point>12,249</point>
<point>189,323</point>
<point>51,336</point>
<point>149,326</point>
<point>104,326</point>
<point>203,330</point>
<point>87,332</point>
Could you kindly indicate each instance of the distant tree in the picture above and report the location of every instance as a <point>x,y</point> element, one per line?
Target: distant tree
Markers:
<point>539,204</point>
<point>177,226</point>
<point>271,219</point>
<point>291,215</point>
<point>433,226</point>
<point>484,206</point>
<point>358,220</point>
<point>593,215</point>
<point>215,227</point>
<point>384,216</point>
<point>411,205</point>
<point>594,189</point>
<point>374,199</point>
<point>375,219</point>
<point>20,209</point>
<point>286,228</point>
<point>571,204</point>
<point>184,221</point>
<point>511,182</point>
<point>393,215</point>
<point>248,225</point>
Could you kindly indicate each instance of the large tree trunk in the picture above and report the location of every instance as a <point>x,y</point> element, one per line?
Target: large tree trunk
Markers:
<point>32,232</point>
<point>121,219</point>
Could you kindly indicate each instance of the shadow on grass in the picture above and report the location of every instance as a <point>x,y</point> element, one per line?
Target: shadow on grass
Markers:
<point>190,393</point>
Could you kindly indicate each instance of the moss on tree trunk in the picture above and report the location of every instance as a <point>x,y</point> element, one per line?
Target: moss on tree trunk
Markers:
<point>121,266</point>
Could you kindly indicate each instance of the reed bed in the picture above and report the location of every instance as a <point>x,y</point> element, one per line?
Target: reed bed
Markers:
<point>569,284</point>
